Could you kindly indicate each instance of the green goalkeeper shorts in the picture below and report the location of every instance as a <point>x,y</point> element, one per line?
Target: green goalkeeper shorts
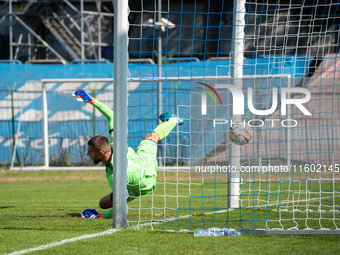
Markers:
<point>142,169</point>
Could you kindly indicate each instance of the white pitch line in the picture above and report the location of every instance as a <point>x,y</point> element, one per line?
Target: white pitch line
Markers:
<point>71,240</point>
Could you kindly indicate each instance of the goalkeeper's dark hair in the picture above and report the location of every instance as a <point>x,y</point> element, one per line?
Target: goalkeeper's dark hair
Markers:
<point>100,142</point>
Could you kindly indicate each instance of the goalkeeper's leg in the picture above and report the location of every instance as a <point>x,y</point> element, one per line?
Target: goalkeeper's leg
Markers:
<point>146,152</point>
<point>162,130</point>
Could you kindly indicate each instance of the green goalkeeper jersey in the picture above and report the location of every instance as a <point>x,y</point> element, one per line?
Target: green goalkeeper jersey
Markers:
<point>142,163</point>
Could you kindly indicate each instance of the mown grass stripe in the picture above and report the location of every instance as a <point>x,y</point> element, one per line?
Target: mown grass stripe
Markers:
<point>71,240</point>
<point>75,239</point>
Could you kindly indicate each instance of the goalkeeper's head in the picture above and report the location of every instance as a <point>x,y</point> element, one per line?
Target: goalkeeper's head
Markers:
<point>99,149</point>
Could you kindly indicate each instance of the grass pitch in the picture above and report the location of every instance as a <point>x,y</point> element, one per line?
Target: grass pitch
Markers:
<point>40,208</point>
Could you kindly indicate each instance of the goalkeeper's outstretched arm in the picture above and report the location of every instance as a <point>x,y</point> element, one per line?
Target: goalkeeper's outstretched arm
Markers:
<point>83,97</point>
<point>103,155</point>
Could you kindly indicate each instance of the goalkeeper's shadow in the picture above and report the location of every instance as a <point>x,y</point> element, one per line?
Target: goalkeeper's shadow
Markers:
<point>74,215</point>
<point>6,207</point>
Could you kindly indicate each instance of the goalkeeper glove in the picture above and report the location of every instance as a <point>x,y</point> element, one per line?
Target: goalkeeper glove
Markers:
<point>90,213</point>
<point>83,97</point>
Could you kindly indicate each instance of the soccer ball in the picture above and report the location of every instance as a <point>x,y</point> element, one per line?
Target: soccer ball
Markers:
<point>240,133</point>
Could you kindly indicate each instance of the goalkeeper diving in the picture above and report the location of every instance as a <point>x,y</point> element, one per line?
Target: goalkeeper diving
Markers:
<point>142,164</point>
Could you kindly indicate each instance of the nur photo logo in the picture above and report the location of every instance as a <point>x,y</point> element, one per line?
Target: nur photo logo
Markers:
<point>238,99</point>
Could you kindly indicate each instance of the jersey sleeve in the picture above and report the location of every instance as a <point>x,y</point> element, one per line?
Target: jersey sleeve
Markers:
<point>108,113</point>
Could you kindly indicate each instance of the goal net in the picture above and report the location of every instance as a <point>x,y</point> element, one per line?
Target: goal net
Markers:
<point>285,180</point>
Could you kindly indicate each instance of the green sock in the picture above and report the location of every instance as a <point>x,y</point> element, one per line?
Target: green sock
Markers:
<point>164,129</point>
<point>107,214</point>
